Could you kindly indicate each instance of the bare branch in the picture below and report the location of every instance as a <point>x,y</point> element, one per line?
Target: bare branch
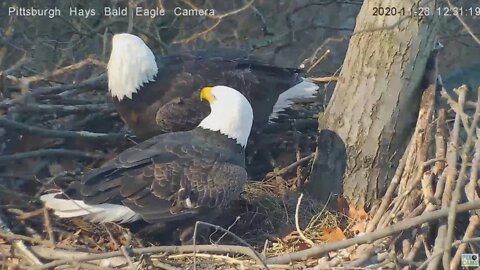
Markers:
<point>297,223</point>
<point>370,237</point>
<point>37,131</point>
<point>48,153</point>
<point>457,193</point>
<point>156,249</point>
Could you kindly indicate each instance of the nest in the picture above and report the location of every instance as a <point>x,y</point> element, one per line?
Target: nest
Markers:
<point>429,211</point>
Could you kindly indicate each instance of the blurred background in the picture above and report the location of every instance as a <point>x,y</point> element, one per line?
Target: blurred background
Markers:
<point>281,32</point>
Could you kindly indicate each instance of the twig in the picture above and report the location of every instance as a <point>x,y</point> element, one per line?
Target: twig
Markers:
<point>5,122</point>
<point>259,15</point>
<point>291,166</point>
<point>92,82</point>
<point>110,235</point>
<point>297,225</point>
<point>85,266</point>
<point>26,58</point>
<point>246,6</point>
<point>209,256</point>
<point>324,79</point>
<point>440,145</point>
<point>438,253</point>
<point>415,160</point>
<point>256,256</point>
<point>199,34</point>
<point>218,19</point>
<point>387,198</point>
<point>127,257</point>
<point>23,251</point>
<point>12,236</point>
<point>228,229</point>
<point>169,249</point>
<point>471,186</point>
<point>299,179</point>
<point>21,215</point>
<point>62,109</point>
<point>451,171</point>
<point>457,193</point>
<point>131,7</point>
<point>325,54</point>
<point>416,246</point>
<point>163,265</point>
<point>48,153</point>
<point>422,140</point>
<point>370,237</point>
<point>48,226</point>
<point>88,61</point>
<point>68,253</point>
<point>18,244</point>
<point>457,107</point>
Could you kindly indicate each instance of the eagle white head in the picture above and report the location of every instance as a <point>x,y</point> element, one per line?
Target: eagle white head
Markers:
<point>131,65</point>
<point>231,114</point>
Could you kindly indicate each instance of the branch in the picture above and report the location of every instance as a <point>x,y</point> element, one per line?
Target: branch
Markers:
<point>92,82</point>
<point>67,69</point>
<point>62,109</point>
<point>218,19</point>
<point>18,245</point>
<point>197,35</point>
<point>457,193</point>
<point>471,186</point>
<point>42,132</point>
<point>368,238</point>
<point>450,173</point>
<point>48,153</point>
<point>438,253</point>
<point>253,252</point>
<point>297,225</point>
<point>168,249</point>
<point>387,198</point>
<point>290,167</point>
<point>324,79</point>
<point>469,232</point>
<point>320,59</point>
<point>5,234</point>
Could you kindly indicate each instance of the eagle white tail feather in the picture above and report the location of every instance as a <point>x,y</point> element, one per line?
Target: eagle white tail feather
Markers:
<point>305,89</point>
<point>105,212</point>
<point>131,65</point>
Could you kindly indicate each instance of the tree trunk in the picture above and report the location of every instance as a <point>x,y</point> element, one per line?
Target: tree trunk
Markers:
<point>372,113</point>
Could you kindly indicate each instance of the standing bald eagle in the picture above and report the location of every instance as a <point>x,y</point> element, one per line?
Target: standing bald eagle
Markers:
<point>155,96</point>
<point>171,177</point>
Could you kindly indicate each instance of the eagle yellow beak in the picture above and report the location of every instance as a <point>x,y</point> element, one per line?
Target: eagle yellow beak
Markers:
<point>206,94</point>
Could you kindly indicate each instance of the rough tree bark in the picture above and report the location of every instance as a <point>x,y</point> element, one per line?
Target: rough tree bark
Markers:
<point>371,115</point>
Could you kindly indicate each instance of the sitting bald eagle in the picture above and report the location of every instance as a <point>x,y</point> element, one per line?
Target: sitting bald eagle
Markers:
<point>182,176</point>
<point>155,96</point>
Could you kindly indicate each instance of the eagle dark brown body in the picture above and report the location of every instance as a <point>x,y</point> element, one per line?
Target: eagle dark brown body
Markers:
<point>171,101</point>
<point>175,177</point>
<point>155,177</point>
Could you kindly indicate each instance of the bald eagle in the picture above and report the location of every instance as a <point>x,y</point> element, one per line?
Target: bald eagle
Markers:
<point>171,177</point>
<point>158,95</point>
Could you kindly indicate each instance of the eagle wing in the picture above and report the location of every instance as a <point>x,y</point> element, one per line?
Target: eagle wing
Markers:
<point>171,103</point>
<point>181,108</point>
<point>166,178</point>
